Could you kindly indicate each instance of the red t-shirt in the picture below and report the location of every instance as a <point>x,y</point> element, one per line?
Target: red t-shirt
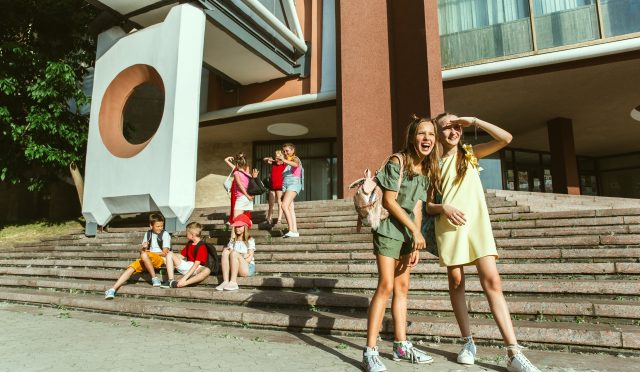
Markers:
<point>276,175</point>
<point>189,253</point>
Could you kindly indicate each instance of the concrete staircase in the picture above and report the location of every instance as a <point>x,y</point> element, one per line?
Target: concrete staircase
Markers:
<point>572,278</point>
<point>547,202</point>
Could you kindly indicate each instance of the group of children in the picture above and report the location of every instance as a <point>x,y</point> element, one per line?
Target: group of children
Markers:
<point>441,189</point>
<point>193,261</point>
<point>430,193</point>
<point>286,182</point>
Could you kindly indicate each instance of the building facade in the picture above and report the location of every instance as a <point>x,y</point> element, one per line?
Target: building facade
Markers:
<point>340,78</point>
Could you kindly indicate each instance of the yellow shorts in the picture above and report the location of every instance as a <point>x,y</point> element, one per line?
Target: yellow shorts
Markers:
<point>156,260</point>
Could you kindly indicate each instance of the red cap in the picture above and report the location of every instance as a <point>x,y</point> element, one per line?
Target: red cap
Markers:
<point>241,220</point>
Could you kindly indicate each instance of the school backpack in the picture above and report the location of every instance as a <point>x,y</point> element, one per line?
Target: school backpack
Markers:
<point>368,197</point>
<point>149,235</point>
<point>213,263</point>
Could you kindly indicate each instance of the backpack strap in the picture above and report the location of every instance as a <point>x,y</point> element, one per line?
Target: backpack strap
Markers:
<point>400,163</point>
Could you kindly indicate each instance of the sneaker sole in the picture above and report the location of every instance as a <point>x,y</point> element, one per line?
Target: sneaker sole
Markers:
<point>407,360</point>
<point>467,363</point>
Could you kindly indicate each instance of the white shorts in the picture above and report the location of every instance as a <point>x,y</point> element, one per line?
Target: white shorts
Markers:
<point>184,267</point>
<point>243,204</point>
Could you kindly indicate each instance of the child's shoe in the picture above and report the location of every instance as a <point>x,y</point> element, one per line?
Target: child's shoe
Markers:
<point>519,362</point>
<point>371,360</point>
<point>221,286</point>
<point>170,284</point>
<point>468,353</point>
<point>156,282</point>
<point>404,350</point>
<point>291,234</point>
<point>231,286</point>
<point>109,294</point>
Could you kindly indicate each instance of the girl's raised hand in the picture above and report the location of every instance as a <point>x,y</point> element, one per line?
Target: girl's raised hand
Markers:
<point>254,173</point>
<point>465,121</point>
<point>454,215</point>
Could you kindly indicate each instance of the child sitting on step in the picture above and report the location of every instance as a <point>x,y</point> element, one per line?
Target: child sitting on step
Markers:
<point>191,262</point>
<point>156,244</point>
<point>237,256</point>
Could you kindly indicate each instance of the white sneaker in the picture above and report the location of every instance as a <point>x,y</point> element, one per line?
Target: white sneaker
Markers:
<point>221,286</point>
<point>468,353</point>
<point>371,360</point>
<point>520,363</point>
<point>156,282</point>
<point>291,234</point>
<point>404,350</point>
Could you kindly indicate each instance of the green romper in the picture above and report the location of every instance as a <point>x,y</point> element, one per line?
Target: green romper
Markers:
<point>392,238</point>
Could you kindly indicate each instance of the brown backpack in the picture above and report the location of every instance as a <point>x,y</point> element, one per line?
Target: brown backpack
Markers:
<point>368,197</point>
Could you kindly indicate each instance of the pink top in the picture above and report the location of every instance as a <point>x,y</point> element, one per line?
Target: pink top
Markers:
<point>296,171</point>
<point>244,181</point>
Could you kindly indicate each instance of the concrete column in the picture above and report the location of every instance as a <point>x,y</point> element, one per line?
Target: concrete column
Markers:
<point>564,165</point>
<point>388,67</point>
<point>363,97</point>
<point>416,69</point>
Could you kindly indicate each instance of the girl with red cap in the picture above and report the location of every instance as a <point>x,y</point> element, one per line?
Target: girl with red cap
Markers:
<point>237,256</point>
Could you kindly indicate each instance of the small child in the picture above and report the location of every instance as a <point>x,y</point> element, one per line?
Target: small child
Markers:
<point>237,256</point>
<point>191,264</point>
<point>156,244</point>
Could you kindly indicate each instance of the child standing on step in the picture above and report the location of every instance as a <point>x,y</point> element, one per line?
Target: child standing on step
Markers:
<point>292,184</point>
<point>275,186</point>
<point>463,231</point>
<point>398,240</point>
<point>191,262</point>
<point>237,256</point>
<point>156,244</point>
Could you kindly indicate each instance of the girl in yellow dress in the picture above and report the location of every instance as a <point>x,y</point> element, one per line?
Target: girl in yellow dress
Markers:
<point>463,231</point>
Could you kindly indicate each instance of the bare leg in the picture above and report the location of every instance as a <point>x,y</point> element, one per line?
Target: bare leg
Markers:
<point>146,262</point>
<point>235,265</point>
<point>279,199</point>
<point>200,276</point>
<point>224,263</point>
<point>243,267</point>
<point>399,301</point>
<point>123,278</point>
<point>237,212</point>
<point>386,268</point>
<point>172,261</point>
<point>457,296</point>
<point>492,286</point>
<point>272,196</point>
<point>287,209</point>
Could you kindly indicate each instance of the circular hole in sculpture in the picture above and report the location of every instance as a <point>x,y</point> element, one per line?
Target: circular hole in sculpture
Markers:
<point>142,113</point>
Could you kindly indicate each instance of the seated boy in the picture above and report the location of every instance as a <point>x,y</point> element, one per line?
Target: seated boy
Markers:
<point>191,264</point>
<point>156,244</point>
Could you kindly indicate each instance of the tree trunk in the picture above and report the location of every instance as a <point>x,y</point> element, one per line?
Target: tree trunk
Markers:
<point>77,180</point>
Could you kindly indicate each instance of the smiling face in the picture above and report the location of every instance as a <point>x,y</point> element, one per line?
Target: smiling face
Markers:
<point>425,138</point>
<point>157,227</point>
<point>450,132</point>
<point>288,151</point>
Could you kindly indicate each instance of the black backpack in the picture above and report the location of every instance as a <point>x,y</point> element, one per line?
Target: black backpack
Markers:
<point>212,260</point>
<point>149,235</point>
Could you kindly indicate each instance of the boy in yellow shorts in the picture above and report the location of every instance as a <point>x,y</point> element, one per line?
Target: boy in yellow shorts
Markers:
<point>156,244</point>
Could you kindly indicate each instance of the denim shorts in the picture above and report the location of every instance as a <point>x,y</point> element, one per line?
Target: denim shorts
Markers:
<point>251,271</point>
<point>291,184</point>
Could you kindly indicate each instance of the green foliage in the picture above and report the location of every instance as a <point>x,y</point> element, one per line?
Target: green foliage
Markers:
<point>44,53</point>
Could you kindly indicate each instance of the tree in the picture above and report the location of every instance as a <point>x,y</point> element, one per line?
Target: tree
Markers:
<point>45,51</point>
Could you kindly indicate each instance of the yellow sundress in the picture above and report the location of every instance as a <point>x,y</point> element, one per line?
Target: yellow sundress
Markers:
<point>462,245</point>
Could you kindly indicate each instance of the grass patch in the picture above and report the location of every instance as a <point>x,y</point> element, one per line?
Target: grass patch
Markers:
<point>34,231</point>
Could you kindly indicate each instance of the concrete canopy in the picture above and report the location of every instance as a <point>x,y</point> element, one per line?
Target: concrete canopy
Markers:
<point>597,95</point>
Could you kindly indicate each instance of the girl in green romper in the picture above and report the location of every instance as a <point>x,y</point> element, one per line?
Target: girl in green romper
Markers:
<point>398,239</point>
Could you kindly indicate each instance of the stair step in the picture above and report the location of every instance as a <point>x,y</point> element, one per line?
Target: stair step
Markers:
<point>596,335</point>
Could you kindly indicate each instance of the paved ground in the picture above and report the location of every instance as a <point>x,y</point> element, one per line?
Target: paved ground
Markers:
<point>54,339</point>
